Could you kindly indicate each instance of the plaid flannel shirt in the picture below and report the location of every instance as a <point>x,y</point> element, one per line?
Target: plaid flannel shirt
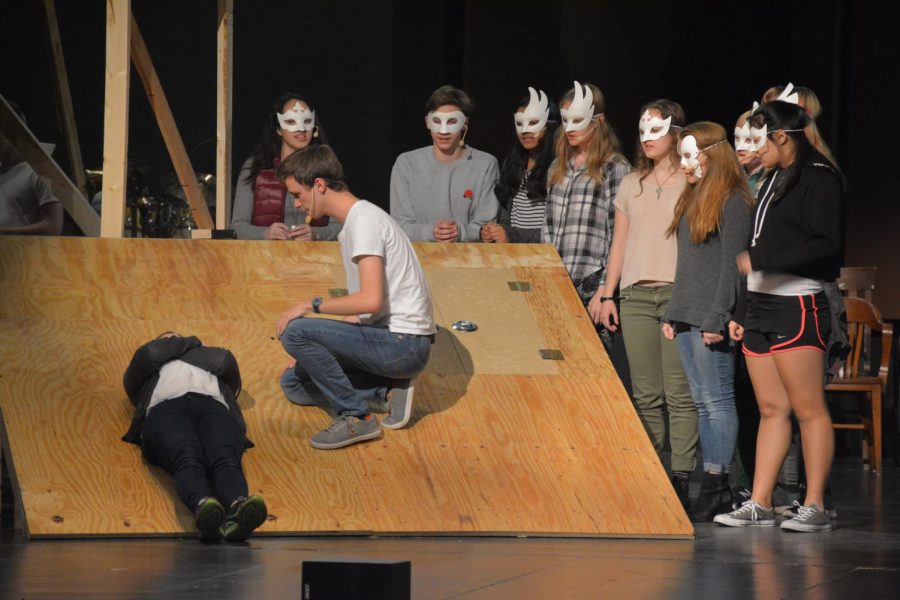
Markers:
<point>579,220</point>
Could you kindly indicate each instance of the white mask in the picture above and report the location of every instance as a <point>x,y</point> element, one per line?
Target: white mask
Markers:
<point>582,107</point>
<point>758,137</point>
<point>743,138</point>
<point>690,155</point>
<point>535,111</point>
<point>440,122</point>
<point>649,122</point>
<point>787,96</point>
<point>297,119</point>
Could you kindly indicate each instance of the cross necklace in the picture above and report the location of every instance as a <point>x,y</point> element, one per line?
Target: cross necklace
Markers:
<point>659,186</point>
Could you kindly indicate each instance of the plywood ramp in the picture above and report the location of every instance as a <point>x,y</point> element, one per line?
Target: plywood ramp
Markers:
<point>501,442</point>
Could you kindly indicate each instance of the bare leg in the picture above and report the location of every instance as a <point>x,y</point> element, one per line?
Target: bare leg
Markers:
<point>802,373</point>
<point>774,436</point>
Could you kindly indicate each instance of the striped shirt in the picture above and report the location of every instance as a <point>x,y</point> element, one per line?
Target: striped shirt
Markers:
<point>579,221</point>
<point>527,213</point>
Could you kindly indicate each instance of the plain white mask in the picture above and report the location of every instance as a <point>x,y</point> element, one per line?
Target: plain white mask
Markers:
<point>537,110</point>
<point>743,138</point>
<point>440,122</point>
<point>580,113</point>
<point>758,137</point>
<point>297,119</point>
<point>649,122</point>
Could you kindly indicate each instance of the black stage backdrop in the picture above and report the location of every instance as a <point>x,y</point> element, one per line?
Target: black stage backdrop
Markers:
<point>367,67</point>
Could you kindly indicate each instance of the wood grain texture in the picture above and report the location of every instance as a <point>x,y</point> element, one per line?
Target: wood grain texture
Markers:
<point>115,117</point>
<point>487,451</point>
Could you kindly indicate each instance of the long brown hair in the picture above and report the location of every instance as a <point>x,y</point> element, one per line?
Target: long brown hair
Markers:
<point>602,146</point>
<point>667,108</point>
<point>702,202</point>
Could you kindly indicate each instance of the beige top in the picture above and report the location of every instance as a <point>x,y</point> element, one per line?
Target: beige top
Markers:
<point>649,255</point>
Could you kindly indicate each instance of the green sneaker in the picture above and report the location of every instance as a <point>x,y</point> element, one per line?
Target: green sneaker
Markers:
<point>245,516</point>
<point>346,430</point>
<point>208,518</point>
<point>750,514</point>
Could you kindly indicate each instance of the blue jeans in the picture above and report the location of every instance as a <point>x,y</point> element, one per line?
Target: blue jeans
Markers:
<point>710,373</point>
<point>349,364</point>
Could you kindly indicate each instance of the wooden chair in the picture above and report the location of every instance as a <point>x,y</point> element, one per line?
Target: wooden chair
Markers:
<point>863,316</point>
<point>857,280</point>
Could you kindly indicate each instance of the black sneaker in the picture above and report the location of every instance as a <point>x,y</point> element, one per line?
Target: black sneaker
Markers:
<point>245,516</point>
<point>682,490</point>
<point>208,518</point>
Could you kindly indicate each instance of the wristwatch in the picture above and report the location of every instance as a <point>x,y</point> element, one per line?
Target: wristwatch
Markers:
<point>316,303</point>
<point>607,299</point>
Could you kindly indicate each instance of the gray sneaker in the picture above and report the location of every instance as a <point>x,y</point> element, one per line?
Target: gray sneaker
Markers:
<point>346,430</point>
<point>399,404</point>
<point>809,518</point>
<point>789,512</point>
<point>750,514</point>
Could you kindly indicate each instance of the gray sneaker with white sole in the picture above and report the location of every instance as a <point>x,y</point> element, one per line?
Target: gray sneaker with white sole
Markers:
<point>750,514</point>
<point>809,519</point>
<point>399,404</point>
<point>346,430</point>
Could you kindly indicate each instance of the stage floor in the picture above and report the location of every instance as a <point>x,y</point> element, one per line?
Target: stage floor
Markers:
<point>860,559</point>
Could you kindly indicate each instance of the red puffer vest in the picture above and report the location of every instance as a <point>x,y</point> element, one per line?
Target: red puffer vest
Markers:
<point>268,199</point>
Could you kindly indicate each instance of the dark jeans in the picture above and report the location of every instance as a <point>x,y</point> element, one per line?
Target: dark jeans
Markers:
<point>196,440</point>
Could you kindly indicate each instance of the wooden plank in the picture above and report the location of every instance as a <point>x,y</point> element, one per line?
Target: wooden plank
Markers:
<point>64,97</point>
<point>224,98</point>
<point>172,138</point>
<point>487,452</point>
<point>62,187</point>
<point>115,119</point>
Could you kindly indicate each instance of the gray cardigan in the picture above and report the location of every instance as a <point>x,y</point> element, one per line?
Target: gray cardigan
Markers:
<point>425,191</point>
<point>707,281</point>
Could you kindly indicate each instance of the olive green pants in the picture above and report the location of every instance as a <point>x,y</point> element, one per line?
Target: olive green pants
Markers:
<point>659,385</point>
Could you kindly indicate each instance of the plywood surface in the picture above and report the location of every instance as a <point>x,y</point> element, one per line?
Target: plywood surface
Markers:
<point>493,447</point>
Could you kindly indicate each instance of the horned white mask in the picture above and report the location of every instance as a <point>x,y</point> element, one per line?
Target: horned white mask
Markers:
<point>743,138</point>
<point>758,137</point>
<point>652,127</point>
<point>297,119</point>
<point>580,113</point>
<point>536,110</point>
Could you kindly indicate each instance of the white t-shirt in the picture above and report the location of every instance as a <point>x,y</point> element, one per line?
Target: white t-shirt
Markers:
<point>369,231</point>
<point>177,378</point>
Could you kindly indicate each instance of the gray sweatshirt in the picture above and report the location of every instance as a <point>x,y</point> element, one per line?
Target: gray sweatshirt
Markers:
<point>242,213</point>
<point>706,277</point>
<point>425,191</point>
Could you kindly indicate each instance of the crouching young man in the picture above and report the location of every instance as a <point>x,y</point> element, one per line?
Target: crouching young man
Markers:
<point>383,344</point>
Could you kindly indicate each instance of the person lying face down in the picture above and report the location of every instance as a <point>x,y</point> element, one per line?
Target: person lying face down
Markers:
<point>187,421</point>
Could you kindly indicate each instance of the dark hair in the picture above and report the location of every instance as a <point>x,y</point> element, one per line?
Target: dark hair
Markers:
<point>311,163</point>
<point>269,145</point>
<point>516,163</point>
<point>447,94</point>
<point>667,108</point>
<point>792,119</point>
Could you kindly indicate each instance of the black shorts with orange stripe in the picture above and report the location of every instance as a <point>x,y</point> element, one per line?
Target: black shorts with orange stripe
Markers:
<point>783,323</point>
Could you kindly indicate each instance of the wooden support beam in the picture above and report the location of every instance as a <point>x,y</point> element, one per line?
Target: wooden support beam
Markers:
<point>44,165</point>
<point>115,119</point>
<point>64,97</point>
<point>224,85</point>
<point>157,97</point>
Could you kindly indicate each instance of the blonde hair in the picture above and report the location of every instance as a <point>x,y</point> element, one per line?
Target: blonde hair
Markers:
<point>809,102</point>
<point>702,202</point>
<point>602,146</point>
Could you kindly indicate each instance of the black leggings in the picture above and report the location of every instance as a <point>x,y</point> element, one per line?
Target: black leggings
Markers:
<point>197,440</point>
